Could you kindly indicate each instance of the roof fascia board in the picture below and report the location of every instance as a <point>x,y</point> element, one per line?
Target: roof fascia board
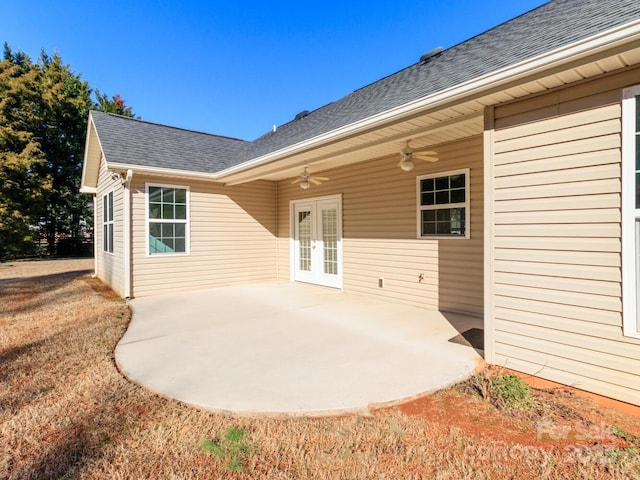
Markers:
<point>586,47</point>
<point>84,188</point>
<point>160,171</point>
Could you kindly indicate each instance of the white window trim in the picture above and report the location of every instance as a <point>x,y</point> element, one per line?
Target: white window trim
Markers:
<point>629,275</point>
<point>108,222</point>
<point>187,221</point>
<point>467,206</point>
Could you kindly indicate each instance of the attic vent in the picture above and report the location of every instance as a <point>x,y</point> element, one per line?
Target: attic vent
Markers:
<point>302,114</point>
<point>430,54</point>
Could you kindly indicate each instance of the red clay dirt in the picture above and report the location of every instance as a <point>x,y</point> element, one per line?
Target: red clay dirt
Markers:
<point>561,419</point>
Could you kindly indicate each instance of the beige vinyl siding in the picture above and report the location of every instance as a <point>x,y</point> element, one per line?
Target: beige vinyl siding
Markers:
<point>556,246</point>
<point>232,238</point>
<point>380,230</point>
<point>110,266</point>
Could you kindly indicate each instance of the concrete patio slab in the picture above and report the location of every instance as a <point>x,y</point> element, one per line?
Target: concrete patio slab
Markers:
<point>291,349</point>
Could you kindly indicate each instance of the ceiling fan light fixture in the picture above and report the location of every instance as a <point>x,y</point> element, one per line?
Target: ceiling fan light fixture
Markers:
<point>408,157</point>
<point>407,165</point>
<point>305,179</point>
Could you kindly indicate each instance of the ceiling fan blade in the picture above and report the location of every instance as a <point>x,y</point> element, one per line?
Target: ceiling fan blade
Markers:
<point>297,180</point>
<point>315,181</point>
<point>426,158</point>
<point>431,153</point>
<point>322,179</point>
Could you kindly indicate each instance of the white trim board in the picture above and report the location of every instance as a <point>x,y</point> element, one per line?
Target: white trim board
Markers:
<point>629,214</point>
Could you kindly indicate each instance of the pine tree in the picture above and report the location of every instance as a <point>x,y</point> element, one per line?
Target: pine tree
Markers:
<point>115,104</point>
<point>44,108</point>
<point>22,185</point>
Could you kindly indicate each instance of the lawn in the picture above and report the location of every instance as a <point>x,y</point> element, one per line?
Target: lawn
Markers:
<point>67,412</point>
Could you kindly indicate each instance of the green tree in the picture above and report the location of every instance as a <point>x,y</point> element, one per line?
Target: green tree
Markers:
<point>44,108</point>
<point>65,102</point>
<point>115,104</point>
<point>22,185</point>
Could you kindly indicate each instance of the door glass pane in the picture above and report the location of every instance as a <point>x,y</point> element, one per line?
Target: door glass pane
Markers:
<point>304,240</point>
<point>330,241</point>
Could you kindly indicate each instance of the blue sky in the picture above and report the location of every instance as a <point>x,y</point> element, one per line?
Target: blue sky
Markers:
<point>236,68</point>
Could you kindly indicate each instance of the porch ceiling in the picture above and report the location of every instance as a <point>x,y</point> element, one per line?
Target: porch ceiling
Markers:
<point>427,128</point>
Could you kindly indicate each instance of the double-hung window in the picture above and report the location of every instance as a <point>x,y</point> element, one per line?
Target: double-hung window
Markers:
<point>167,219</point>
<point>631,211</point>
<point>443,205</point>
<point>107,222</point>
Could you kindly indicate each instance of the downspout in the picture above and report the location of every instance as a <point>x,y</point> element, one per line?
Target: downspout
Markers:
<point>127,233</point>
<point>95,230</point>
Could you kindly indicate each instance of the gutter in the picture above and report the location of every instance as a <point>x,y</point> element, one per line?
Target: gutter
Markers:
<point>586,47</point>
<point>126,167</point>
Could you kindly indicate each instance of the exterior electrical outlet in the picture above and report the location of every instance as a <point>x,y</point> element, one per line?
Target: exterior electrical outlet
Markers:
<point>381,282</point>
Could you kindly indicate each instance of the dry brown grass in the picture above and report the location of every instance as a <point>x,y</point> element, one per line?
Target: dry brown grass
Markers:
<point>66,412</point>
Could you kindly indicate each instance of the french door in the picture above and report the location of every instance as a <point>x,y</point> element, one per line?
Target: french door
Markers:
<point>317,241</point>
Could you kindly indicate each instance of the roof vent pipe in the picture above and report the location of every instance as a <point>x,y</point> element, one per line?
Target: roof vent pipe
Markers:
<point>430,54</point>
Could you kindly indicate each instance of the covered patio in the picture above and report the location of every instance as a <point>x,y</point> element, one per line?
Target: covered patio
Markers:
<point>293,349</point>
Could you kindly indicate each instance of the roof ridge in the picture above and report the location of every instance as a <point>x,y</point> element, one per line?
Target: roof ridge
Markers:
<point>139,120</point>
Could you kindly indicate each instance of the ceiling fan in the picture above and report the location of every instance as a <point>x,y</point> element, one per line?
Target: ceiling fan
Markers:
<point>306,179</point>
<point>409,155</point>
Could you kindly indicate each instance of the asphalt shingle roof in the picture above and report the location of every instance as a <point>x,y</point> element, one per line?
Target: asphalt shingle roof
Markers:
<point>546,28</point>
<point>136,142</point>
